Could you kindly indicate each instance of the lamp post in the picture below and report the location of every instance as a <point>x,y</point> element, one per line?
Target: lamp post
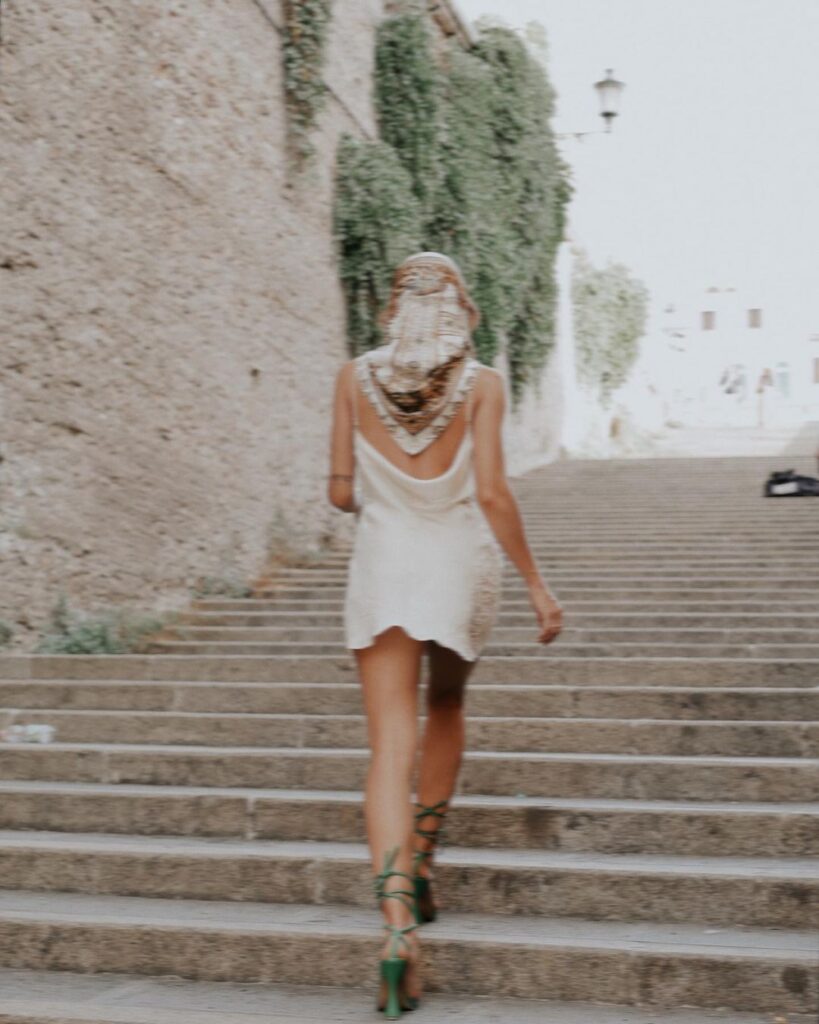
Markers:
<point>609,91</point>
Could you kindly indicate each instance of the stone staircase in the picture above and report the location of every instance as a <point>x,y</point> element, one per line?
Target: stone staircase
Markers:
<point>635,838</point>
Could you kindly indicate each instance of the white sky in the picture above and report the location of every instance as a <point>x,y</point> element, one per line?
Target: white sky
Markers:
<point>711,173</point>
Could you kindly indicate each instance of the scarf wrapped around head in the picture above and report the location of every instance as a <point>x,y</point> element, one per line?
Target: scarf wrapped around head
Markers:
<point>419,377</point>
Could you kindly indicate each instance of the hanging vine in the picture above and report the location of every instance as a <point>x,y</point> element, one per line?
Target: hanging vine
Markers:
<point>610,312</point>
<point>376,222</point>
<point>305,35</point>
<point>408,87</point>
<point>505,190</point>
<point>484,183</point>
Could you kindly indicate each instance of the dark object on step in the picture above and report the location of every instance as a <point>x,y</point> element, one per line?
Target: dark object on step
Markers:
<point>787,484</point>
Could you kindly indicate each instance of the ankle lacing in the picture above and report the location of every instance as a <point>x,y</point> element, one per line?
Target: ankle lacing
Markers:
<point>436,835</point>
<point>397,933</point>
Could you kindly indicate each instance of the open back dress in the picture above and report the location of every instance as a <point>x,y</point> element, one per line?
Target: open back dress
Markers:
<point>424,557</point>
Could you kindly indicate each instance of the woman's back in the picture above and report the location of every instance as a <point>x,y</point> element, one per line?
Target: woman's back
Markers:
<point>436,458</point>
<point>384,481</point>
<point>424,557</point>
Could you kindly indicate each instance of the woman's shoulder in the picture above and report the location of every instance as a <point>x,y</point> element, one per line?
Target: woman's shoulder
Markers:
<point>487,379</point>
<point>348,368</point>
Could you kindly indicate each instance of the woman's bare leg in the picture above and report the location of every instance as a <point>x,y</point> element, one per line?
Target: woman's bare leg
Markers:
<point>389,671</point>
<point>444,737</point>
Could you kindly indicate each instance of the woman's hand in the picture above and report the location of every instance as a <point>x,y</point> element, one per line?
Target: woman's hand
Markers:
<point>548,611</point>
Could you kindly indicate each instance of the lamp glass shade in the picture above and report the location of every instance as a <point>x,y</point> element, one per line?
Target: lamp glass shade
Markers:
<point>609,91</point>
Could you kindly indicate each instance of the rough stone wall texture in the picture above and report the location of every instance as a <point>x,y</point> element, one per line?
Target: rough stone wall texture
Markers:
<point>170,309</point>
<point>172,316</point>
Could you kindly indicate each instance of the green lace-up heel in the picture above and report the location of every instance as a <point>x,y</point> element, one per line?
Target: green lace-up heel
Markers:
<point>393,967</point>
<point>425,909</point>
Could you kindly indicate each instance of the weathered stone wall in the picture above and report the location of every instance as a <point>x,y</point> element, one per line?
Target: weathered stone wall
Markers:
<point>172,316</point>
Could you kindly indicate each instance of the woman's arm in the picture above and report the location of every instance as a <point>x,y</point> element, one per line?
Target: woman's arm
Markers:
<point>497,501</point>
<point>342,458</point>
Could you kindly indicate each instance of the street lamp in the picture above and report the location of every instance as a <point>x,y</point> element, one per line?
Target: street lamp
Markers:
<point>609,91</point>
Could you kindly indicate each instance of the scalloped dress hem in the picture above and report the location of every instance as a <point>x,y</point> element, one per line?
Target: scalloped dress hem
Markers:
<point>416,634</point>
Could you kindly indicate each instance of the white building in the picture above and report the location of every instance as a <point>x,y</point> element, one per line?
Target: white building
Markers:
<point>722,358</point>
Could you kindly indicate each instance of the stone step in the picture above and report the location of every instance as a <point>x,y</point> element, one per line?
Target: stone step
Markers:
<point>624,702</point>
<point>44,997</point>
<point>577,616</point>
<point>615,592</point>
<point>779,520</point>
<point>649,553</point>
<point>633,600</point>
<point>758,892</point>
<point>692,510</point>
<point>631,554</point>
<point>695,505</point>
<point>561,529</point>
<point>503,634</point>
<point>622,579</point>
<point>770,544</point>
<point>560,648</point>
<point>704,563</point>
<point>699,499</point>
<point>593,542</point>
<point>493,734</point>
<point>573,602</point>
<point>611,776</point>
<point>744,672</point>
<point>761,970</point>
<point>580,825</point>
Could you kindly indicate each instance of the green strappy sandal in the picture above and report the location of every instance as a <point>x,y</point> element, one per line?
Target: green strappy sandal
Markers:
<point>394,966</point>
<point>425,909</point>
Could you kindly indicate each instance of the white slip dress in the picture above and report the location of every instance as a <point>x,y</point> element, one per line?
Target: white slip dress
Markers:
<point>424,557</point>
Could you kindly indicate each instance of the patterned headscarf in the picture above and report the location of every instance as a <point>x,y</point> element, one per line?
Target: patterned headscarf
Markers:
<point>419,377</point>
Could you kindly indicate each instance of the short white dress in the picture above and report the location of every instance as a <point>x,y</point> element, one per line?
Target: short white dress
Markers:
<point>424,556</point>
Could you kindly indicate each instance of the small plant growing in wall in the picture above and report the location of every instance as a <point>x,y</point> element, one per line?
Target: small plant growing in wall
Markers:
<point>221,586</point>
<point>286,543</point>
<point>116,632</point>
<point>6,633</point>
<point>305,36</point>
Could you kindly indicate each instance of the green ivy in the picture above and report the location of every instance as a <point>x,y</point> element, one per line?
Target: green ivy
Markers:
<point>408,88</point>
<point>305,36</point>
<point>466,164</point>
<point>610,311</point>
<point>377,222</point>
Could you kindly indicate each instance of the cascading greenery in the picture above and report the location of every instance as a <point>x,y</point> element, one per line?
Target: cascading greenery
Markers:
<point>377,221</point>
<point>610,310</point>
<point>408,87</point>
<point>305,35</point>
<point>466,163</point>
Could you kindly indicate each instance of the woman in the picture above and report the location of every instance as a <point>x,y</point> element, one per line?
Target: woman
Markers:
<point>420,418</point>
